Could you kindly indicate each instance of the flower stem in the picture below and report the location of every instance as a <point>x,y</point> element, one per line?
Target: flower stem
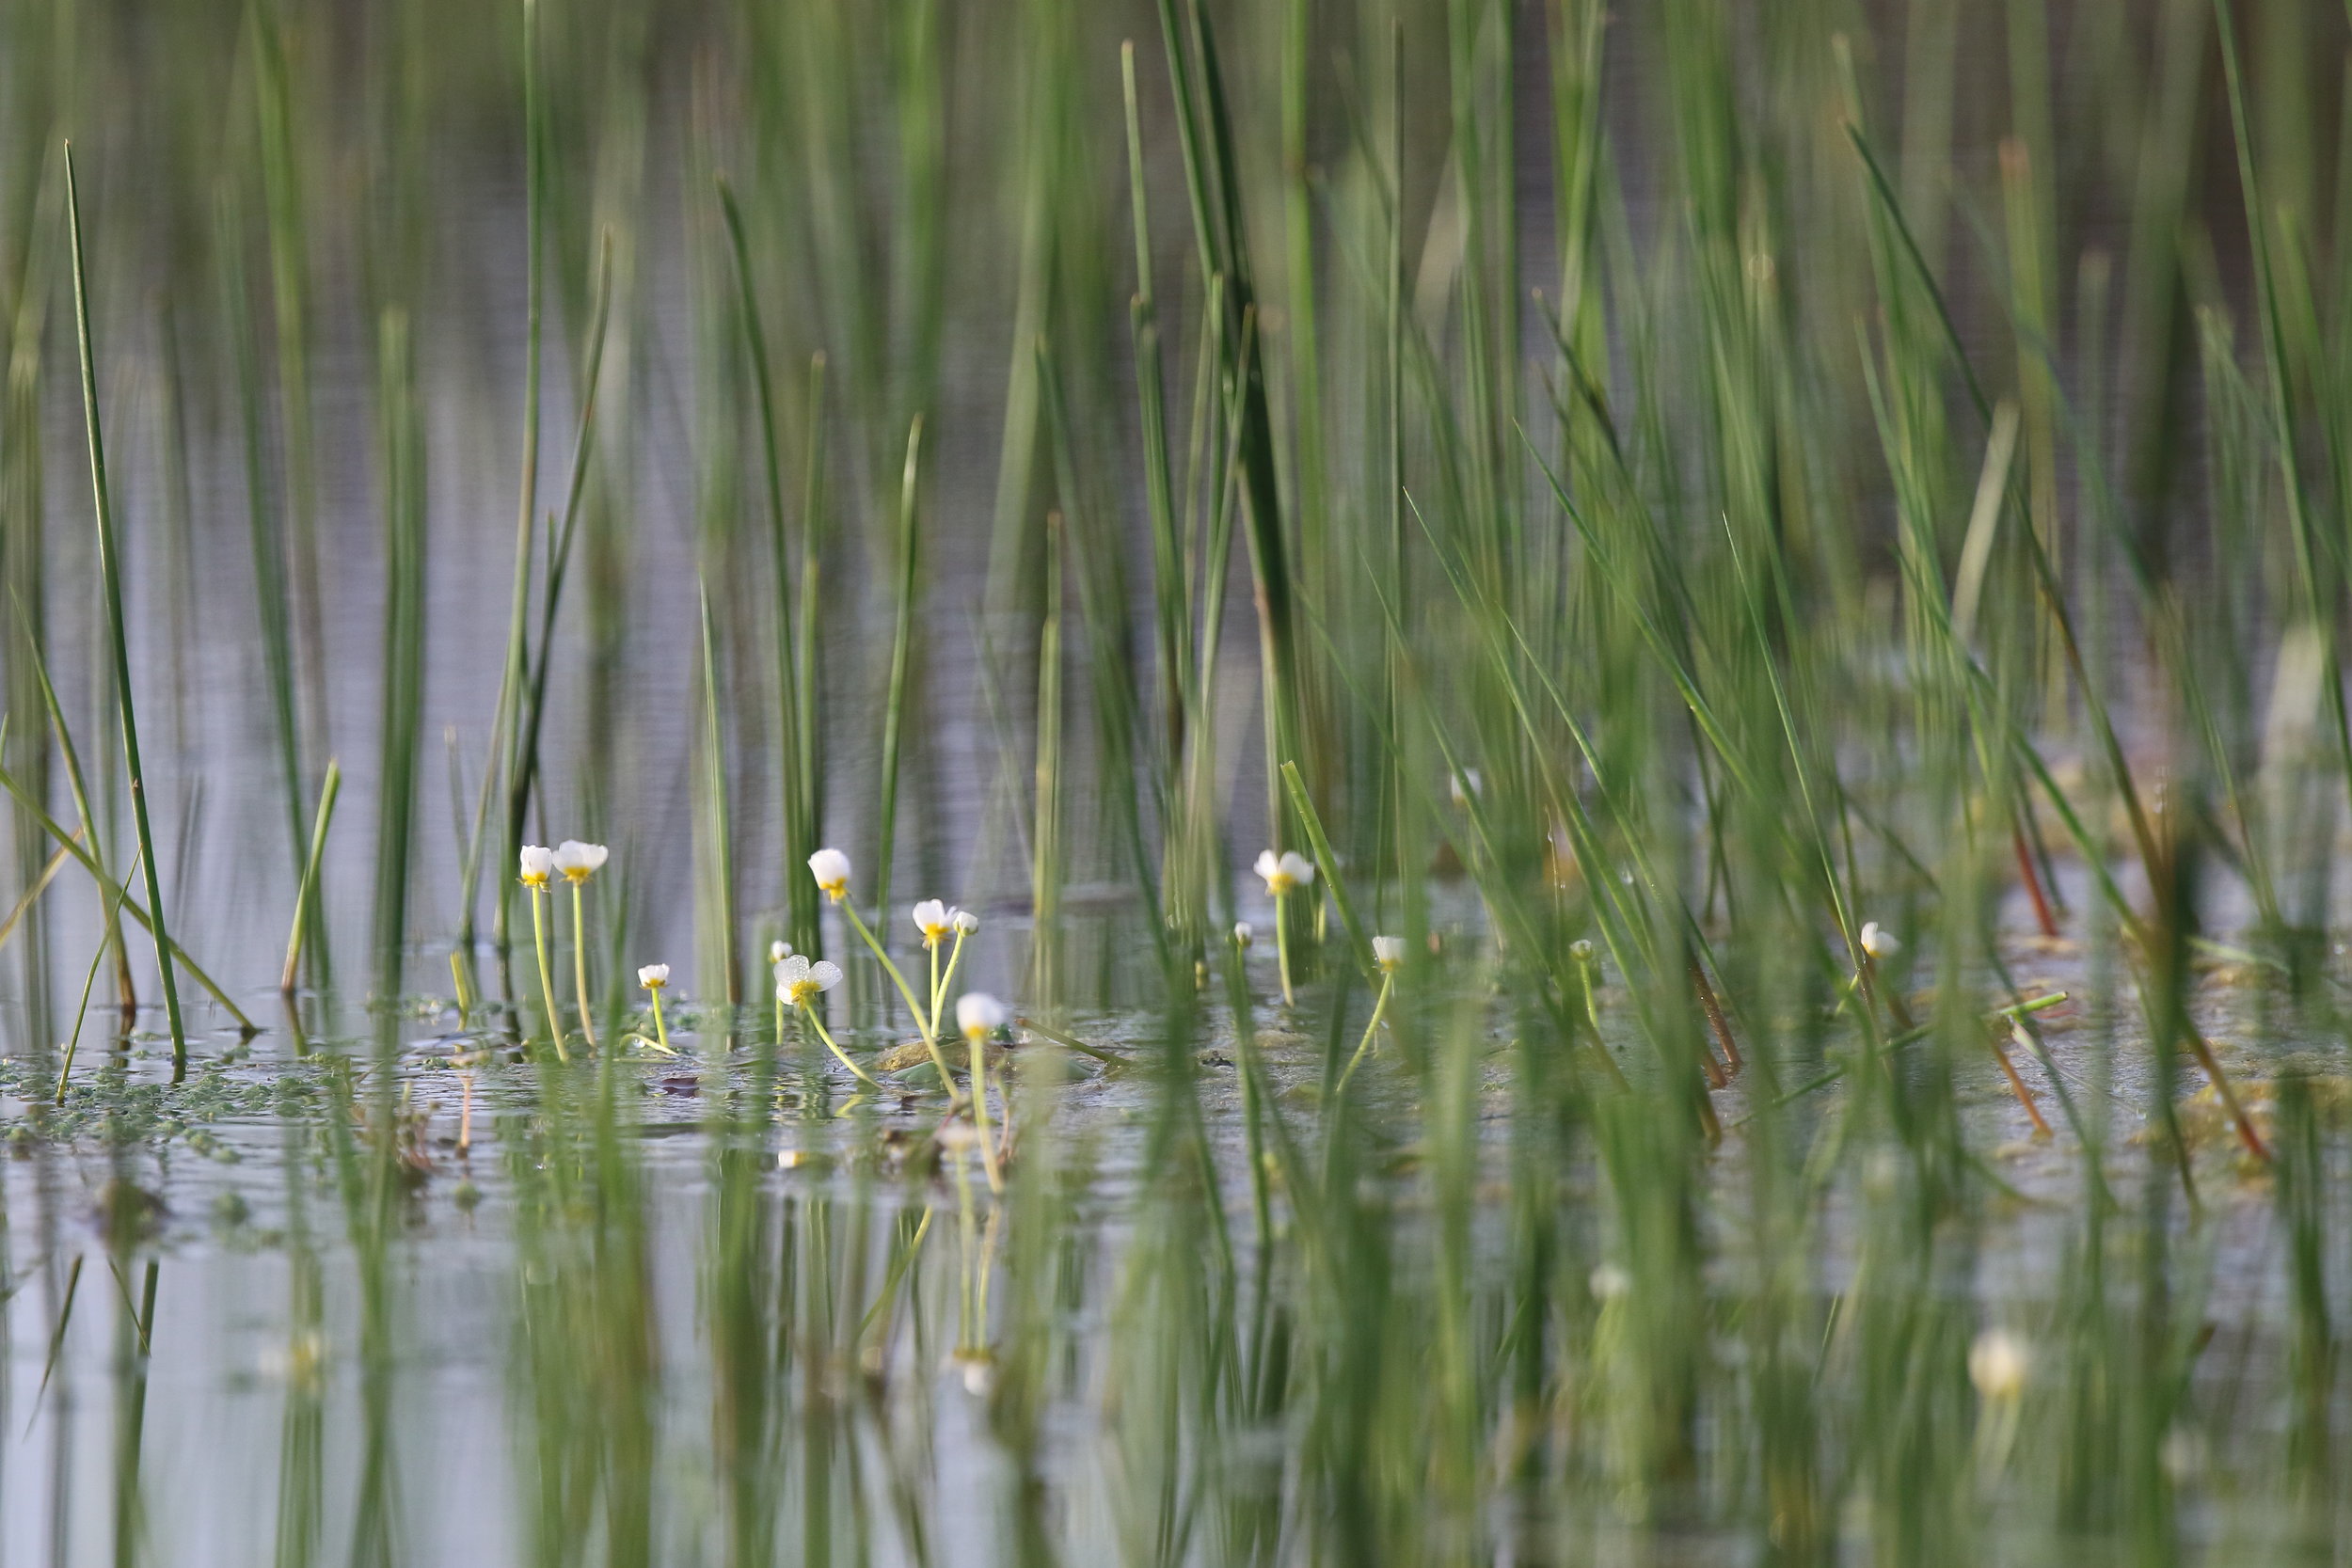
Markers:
<point>661,1030</point>
<point>979,1109</point>
<point>1378,1008</point>
<point>810,1013</point>
<point>921,1021</point>
<point>579,965</point>
<point>547,977</point>
<point>939,992</point>
<point>1282,942</point>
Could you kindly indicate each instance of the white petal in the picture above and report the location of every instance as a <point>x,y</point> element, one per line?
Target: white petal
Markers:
<point>824,976</point>
<point>930,915</point>
<point>779,951</point>
<point>965,921</point>
<point>979,1013</point>
<point>654,975</point>
<point>831,867</point>
<point>537,860</point>
<point>1269,865</point>
<point>1300,868</point>
<point>1390,951</point>
<point>792,970</point>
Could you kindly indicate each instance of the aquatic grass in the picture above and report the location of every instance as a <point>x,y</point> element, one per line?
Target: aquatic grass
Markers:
<point>899,690</point>
<point>111,572</point>
<point>402,447</point>
<point>307,891</point>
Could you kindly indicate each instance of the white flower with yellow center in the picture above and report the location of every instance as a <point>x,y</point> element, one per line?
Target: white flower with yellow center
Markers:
<point>538,864</point>
<point>978,1014</point>
<point>831,869</point>
<point>653,978</point>
<point>778,951</point>
<point>798,980</point>
<point>935,920</point>
<point>1389,953</point>
<point>1284,872</point>
<point>1879,942</point>
<point>578,861</point>
<point>1998,1363</point>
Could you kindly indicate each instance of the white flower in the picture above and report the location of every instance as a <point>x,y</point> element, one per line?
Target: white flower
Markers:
<point>1284,872</point>
<point>1468,784</point>
<point>965,921</point>
<point>979,1013</point>
<point>1389,952</point>
<point>779,950</point>
<point>831,869</point>
<point>1243,934</point>
<point>579,861</point>
<point>538,864</point>
<point>1581,950</point>
<point>1997,1364</point>
<point>654,977</point>
<point>1878,942</point>
<point>1610,1283</point>
<point>934,920</point>
<point>797,979</point>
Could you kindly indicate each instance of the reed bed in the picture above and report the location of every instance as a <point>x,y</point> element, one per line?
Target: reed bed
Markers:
<point>1635,718</point>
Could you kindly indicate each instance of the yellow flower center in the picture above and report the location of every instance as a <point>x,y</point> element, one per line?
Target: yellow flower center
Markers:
<point>802,991</point>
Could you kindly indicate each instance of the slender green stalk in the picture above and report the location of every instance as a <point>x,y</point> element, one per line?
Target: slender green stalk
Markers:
<point>111,570</point>
<point>80,1008</point>
<point>579,961</point>
<point>823,1034</point>
<point>306,893</point>
<point>507,737</point>
<point>901,662</point>
<point>1379,1010</point>
<point>547,972</point>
